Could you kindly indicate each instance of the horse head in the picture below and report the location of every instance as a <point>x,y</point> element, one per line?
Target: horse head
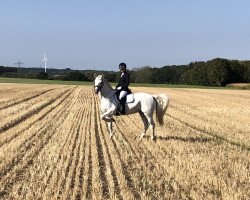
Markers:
<point>98,83</point>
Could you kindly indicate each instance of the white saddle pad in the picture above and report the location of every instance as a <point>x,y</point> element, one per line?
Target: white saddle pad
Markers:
<point>130,98</point>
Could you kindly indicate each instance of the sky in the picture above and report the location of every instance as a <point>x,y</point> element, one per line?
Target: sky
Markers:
<point>99,34</point>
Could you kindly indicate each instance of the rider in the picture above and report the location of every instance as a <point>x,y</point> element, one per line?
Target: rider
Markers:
<point>122,88</point>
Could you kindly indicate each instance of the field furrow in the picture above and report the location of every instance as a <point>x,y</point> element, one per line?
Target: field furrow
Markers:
<point>167,186</point>
<point>18,129</point>
<point>27,153</point>
<point>18,92</point>
<point>112,176</point>
<point>15,118</point>
<point>17,101</point>
<point>26,135</point>
<point>79,176</point>
<point>40,174</point>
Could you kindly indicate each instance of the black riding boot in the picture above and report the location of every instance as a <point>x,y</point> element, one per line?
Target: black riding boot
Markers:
<point>121,106</point>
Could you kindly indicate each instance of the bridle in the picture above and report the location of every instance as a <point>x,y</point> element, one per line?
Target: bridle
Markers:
<point>98,87</point>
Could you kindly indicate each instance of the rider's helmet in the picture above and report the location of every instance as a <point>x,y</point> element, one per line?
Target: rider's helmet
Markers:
<point>122,66</point>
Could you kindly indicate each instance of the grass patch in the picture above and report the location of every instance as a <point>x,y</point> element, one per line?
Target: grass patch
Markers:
<point>37,81</point>
<point>59,82</point>
<point>170,86</point>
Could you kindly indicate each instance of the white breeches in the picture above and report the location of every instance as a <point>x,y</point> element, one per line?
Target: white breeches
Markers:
<point>122,94</point>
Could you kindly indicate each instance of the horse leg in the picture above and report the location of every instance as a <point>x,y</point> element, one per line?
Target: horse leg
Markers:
<point>107,116</point>
<point>145,122</point>
<point>151,124</point>
<point>110,127</point>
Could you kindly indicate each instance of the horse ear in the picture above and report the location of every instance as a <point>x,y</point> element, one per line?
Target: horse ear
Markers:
<point>95,75</point>
<point>103,76</point>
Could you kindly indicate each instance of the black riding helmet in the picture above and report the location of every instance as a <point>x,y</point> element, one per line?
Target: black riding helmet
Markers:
<point>122,66</point>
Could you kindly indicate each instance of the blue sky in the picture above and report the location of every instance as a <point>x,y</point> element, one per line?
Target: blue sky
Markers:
<point>92,34</point>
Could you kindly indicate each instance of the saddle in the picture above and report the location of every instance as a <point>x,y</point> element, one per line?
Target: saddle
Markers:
<point>129,97</point>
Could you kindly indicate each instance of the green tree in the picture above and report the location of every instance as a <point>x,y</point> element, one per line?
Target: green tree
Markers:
<point>143,75</point>
<point>196,74</point>
<point>218,72</point>
<point>246,74</point>
<point>236,72</point>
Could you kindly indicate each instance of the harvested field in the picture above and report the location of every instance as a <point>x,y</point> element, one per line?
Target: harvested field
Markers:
<point>53,145</point>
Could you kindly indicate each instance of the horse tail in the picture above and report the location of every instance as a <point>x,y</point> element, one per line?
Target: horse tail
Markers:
<point>162,102</point>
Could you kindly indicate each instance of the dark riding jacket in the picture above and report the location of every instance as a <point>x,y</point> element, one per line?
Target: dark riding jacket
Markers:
<point>124,82</point>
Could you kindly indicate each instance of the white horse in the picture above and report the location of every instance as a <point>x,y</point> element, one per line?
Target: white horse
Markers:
<point>143,103</point>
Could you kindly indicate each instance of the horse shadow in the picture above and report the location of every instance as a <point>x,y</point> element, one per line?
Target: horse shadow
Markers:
<point>198,140</point>
<point>183,139</point>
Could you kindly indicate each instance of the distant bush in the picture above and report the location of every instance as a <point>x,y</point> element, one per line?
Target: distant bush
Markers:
<point>8,70</point>
<point>74,76</point>
<point>42,75</point>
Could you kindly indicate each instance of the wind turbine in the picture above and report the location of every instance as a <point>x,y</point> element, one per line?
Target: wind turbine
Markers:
<point>45,62</point>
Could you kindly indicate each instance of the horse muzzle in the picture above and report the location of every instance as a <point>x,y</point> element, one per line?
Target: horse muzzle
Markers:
<point>96,89</point>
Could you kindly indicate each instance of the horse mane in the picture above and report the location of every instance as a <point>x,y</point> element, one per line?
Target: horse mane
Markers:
<point>107,83</point>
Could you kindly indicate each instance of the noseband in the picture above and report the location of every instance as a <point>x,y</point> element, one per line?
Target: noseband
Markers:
<point>99,87</point>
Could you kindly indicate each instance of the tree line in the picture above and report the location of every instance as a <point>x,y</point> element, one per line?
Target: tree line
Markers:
<point>215,72</point>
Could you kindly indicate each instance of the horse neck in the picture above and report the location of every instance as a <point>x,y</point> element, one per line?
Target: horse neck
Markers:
<point>106,90</point>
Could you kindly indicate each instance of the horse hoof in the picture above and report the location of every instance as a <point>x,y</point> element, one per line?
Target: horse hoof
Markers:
<point>153,138</point>
<point>108,119</point>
